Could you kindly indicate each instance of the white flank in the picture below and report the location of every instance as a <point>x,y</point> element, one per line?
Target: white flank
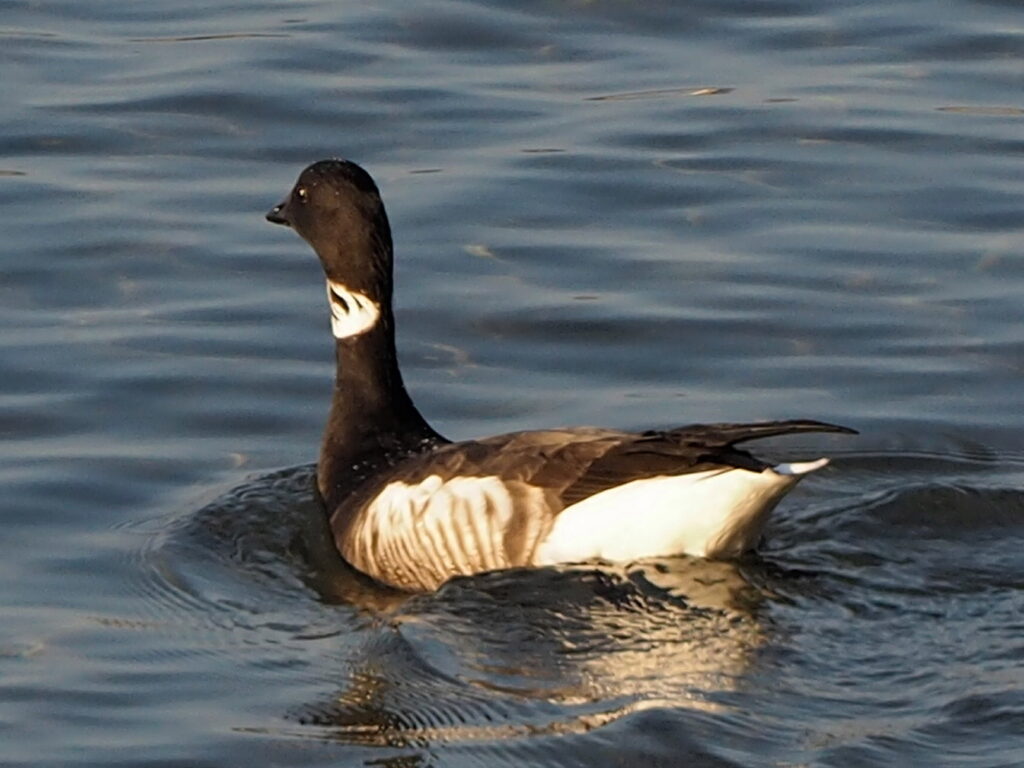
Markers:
<point>451,526</point>
<point>351,313</point>
<point>718,513</point>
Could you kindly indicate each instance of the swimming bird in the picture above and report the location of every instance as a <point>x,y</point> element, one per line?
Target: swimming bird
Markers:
<point>412,509</point>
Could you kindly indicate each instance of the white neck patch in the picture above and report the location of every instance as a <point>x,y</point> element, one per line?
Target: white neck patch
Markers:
<point>351,313</point>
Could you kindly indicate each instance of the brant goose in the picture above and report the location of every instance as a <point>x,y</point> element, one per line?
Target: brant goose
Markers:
<point>412,509</point>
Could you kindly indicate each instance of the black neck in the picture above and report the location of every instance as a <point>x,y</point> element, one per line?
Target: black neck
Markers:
<point>373,421</point>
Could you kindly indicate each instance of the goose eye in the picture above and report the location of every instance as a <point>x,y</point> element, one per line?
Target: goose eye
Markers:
<point>302,194</point>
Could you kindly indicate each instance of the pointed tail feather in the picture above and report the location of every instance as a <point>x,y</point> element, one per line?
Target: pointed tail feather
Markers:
<point>724,435</point>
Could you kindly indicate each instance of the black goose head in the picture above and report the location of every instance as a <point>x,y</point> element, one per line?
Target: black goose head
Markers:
<point>336,207</point>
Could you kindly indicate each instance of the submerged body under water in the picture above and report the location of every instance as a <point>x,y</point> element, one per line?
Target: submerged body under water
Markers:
<point>632,215</point>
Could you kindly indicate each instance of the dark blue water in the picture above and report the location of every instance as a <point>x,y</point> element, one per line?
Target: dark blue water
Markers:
<point>626,214</point>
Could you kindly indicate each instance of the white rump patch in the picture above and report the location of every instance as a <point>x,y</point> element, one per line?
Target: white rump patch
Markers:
<point>718,513</point>
<point>800,467</point>
<point>351,313</point>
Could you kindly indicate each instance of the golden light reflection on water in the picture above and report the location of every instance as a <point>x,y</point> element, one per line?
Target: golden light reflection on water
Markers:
<point>525,654</point>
